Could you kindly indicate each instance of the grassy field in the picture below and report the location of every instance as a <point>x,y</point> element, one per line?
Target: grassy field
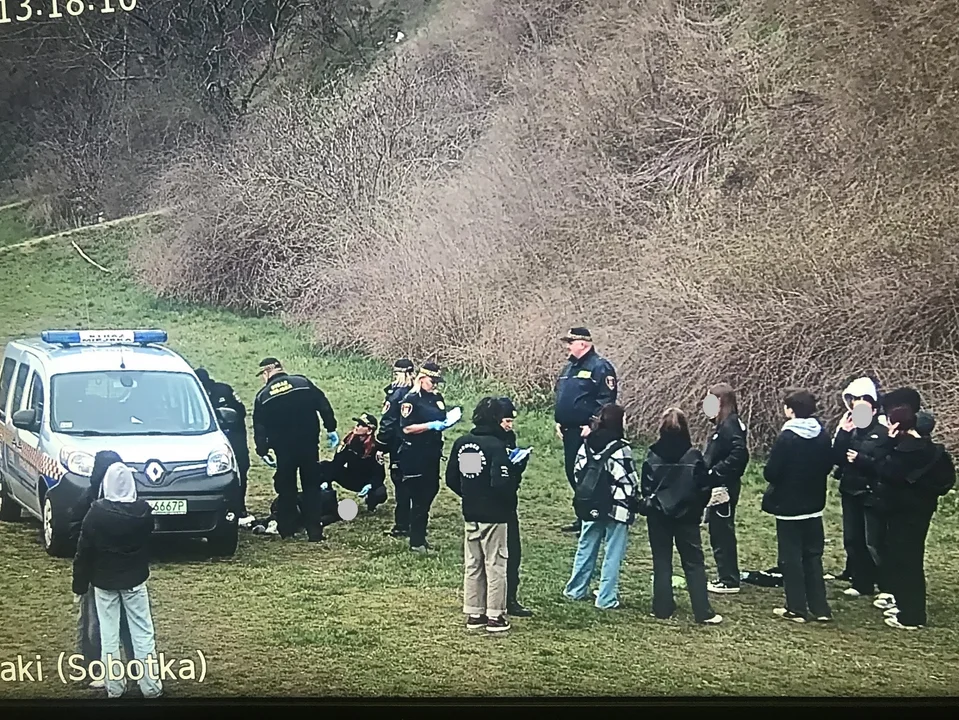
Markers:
<point>362,616</point>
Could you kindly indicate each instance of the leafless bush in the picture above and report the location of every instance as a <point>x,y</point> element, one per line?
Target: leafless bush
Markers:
<point>763,197</point>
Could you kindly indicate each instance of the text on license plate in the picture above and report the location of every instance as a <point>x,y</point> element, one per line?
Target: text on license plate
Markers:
<point>168,507</point>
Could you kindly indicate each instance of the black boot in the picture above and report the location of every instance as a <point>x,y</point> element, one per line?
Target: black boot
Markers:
<point>514,609</point>
<point>315,534</point>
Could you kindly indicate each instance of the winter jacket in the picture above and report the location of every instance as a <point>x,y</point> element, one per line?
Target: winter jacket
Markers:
<point>113,550</point>
<point>726,454</point>
<point>910,471</point>
<point>797,470</point>
<point>479,471</point>
<point>857,478</point>
<point>675,480</point>
<point>625,482</point>
<point>354,462</point>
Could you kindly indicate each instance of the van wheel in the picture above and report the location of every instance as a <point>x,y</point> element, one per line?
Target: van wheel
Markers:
<point>55,540</point>
<point>224,540</point>
<point>9,509</point>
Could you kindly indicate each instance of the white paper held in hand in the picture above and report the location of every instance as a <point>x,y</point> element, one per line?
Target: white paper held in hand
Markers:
<point>453,416</point>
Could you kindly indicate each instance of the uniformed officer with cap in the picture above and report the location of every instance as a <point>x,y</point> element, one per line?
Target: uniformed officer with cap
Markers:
<point>423,419</point>
<point>286,420</point>
<point>222,396</point>
<point>514,545</point>
<point>587,383</point>
<point>390,438</point>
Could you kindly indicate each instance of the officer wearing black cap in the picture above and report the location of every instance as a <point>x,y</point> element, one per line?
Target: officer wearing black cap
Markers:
<point>286,420</point>
<point>587,382</point>
<point>513,540</point>
<point>390,438</point>
<point>355,466</point>
<point>423,419</point>
<point>222,396</point>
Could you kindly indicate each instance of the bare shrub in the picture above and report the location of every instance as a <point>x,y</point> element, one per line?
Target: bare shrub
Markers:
<point>765,197</point>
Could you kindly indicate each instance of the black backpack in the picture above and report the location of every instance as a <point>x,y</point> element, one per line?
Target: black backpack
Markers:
<point>593,496</point>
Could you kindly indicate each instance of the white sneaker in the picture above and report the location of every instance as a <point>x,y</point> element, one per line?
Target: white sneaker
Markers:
<point>271,528</point>
<point>96,684</point>
<point>891,612</point>
<point>893,622</point>
<point>851,592</point>
<point>884,601</point>
<point>246,521</point>
<point>714,620</point>
<point>786,615</point>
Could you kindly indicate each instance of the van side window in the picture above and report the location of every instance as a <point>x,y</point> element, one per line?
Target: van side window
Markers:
<point>6,379</point>
<point>36,396</point>
<point>19,387</point>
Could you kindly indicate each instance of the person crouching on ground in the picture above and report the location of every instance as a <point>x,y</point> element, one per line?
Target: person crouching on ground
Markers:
<point>480,472</point>
<point>675,489</point>
<point>605,451</point>
<point>112,557</point>
<point>88,627</point>
<point>797,471</point>
<point>914,472</point>
<point>355,465</point>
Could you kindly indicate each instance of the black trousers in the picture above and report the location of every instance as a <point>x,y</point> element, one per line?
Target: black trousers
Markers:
<point>801,544</point>
<point>722,536</point>
<point>424,486</point>
<point>663,533</point>
<point>404,503</point>
<point>515,550</point>
<point>242,452</point>
<point>905,561</point>
<point>572,442</point>
<point>290,462</point>
<point>864,538</point>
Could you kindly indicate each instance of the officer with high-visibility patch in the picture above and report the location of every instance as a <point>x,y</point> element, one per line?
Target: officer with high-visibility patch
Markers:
<point>390,438</point>
<point>222,396</point>
<point>423,419</point>
<point>586,383</point>
<point>286,421</point>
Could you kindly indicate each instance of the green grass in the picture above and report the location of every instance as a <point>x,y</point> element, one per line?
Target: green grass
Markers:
<point>362,616</point>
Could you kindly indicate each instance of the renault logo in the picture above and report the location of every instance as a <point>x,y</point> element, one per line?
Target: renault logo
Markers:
<point>154,471</point>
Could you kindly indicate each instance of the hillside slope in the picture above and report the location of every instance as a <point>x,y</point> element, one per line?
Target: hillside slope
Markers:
<point>763,193</point>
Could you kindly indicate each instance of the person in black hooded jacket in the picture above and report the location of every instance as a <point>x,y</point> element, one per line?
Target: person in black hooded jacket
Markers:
<point>913,473</point>
<point>513,540</point>
<point>797,471</point>
<point>726,457</point>
<point>480,472</point>
<point>88,626</point>
<point>675,488</point>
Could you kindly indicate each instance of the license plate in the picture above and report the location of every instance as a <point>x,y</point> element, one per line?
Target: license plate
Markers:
<point>168,507</point>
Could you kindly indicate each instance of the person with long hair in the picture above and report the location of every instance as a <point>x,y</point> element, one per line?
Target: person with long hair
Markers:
<point>675,488</point>
<point>605,440</point>
<point>88,626</point>
<point>797,471</point>
<point>112,556</point>
<point>726,457</point>
<point>423,420</point>
<point>389,438</point>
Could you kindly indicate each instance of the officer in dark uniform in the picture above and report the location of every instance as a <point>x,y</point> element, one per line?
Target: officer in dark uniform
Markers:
<point>390,438</point>
<point>587,383</point>
<point>285,420</point>
<point>513,540</point>
<point>222,396</point>
<point>423,419</point>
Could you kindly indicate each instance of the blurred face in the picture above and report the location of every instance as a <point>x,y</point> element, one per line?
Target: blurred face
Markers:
<point>578,348</point>
<point>507,424</point>
<point>711,406</point>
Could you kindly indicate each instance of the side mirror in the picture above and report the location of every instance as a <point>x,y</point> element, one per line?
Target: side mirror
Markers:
<point>228,416</point>
<point>25,420</point>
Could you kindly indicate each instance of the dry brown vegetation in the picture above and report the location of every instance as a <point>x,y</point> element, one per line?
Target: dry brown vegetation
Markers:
<point>762,193</point>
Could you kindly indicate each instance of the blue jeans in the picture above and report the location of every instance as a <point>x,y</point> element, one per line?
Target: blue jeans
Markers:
<point>590,538</point>
<point>136,604</point>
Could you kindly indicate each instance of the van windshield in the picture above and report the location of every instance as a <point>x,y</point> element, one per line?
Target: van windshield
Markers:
<point>128,402</point>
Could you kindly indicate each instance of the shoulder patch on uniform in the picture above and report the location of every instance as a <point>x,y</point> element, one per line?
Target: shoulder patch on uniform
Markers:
<point>406,409</point>
<point>440,405</point>
<point>386,407</point>
<point>611,382</point>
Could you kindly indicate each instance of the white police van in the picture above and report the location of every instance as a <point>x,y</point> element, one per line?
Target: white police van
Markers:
<point>69,394</point>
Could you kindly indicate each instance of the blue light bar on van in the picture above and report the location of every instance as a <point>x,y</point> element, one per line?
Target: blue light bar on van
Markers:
<point>102,337</point>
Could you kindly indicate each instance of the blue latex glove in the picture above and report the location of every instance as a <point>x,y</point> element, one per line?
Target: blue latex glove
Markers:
<point>333,438</point>
<point>366,489</point>
<point>268,460</point>
<point>438,425</point>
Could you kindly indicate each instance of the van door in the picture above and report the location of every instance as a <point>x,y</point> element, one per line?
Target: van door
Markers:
<point>30,441</point>
<point>6,431</point>
<point>15,463</point>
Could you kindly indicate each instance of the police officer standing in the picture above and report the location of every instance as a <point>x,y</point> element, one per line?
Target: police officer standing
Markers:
<point>587,383</point>
<point>286,420</point>
<point>222,396</point>
<point>390,437</point>
<point>514,545</point>
<point>423,419</point>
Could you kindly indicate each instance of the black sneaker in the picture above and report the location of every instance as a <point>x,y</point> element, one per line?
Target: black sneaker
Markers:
<point>397,532</point>
<point>517,610</point>
<point>495,625</point>
<point>721,588</point>
<point>476,622</point>
<point>789,615</point>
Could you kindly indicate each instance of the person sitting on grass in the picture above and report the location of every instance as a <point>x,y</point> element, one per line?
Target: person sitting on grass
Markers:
<point>355,465</point>
<point>797,471</point>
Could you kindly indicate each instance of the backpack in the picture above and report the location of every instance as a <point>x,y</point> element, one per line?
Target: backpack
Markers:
<point>940,477</point>
<point>593,496</point>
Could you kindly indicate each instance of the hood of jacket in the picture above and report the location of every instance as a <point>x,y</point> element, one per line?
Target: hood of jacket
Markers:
<point>860,387</point>
<point>670,448</point>
<point>598,440</point>
<point>806,428</point>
